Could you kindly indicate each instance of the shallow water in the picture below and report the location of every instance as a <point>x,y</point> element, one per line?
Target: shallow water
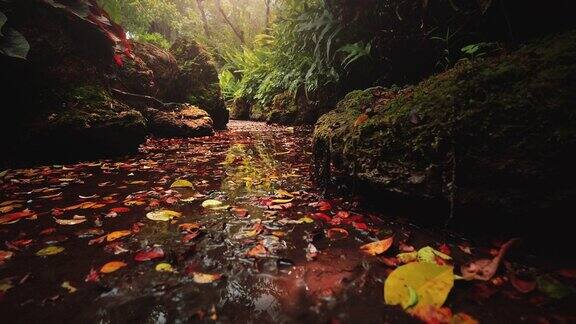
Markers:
<point>260,248</point>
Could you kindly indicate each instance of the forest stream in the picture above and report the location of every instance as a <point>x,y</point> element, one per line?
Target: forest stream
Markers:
<point>231,229</point>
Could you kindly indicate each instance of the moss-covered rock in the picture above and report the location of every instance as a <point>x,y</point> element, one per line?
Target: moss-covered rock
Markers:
<point>197,81</point>
<point>240,109</point>
<point>88,123</point>
<point>186,121</point>
<point>496,133</point>
<point>290,109</point>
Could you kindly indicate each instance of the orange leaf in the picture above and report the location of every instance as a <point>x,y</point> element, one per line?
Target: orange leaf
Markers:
<point>377,247</point>
<point>112,266</point>
<point>360,120</point>
<point>117,234</point>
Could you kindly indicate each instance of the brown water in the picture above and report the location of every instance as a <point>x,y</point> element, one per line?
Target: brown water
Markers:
<point>262,173</point>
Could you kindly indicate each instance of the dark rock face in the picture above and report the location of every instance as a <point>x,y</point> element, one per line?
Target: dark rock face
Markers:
<point>197,81</point>
<point>496,134</point>
<point>186,121</point>
<point>150,73</point>
<point>240,109</point>
<point>89,123</point>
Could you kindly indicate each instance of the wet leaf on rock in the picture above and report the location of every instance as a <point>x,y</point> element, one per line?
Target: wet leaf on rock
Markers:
<point>431,283</point>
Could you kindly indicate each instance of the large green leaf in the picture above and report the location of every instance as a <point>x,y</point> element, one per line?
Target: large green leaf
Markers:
<point>14,44</point>
<point>3,20</point>
<point>420,284</point>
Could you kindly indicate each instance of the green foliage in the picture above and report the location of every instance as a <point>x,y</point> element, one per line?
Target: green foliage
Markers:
<point>307,48</point>
<point>154,39</point>
<point>12,43</point>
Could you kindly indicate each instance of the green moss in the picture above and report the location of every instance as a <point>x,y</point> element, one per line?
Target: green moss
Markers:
<point>510,117</point>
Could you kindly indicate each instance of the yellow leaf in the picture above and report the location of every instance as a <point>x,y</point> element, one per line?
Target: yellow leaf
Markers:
<point>163,215</point>
<point>431,282</point>
<point>50,250</point>
<point>67,285</point>
<point>117,234</point>
<point>282,201</point>
<point>306,220</point>
<point>377,247</point>
<point>164,267</point>
<point>112,266</point>
<point>180,183</point>
<point>211,203</point>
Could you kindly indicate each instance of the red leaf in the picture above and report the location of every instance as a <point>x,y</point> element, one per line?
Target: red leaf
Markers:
<point>324,206</point>
<point>321,216</point>
<point>92,276</point>
<point>16,216</point>
<point>360,226</point>
<point>149,254</point>
<point>120,210</point>
<point>118,60</point>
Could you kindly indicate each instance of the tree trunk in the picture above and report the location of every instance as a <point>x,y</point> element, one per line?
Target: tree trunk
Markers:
<point>267,14</point>
<point>236,31</point>
<point>203,15</point>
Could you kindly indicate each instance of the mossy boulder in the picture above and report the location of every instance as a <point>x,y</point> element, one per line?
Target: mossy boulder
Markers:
<point>185,121</point>
<point>240,109</point>
<point>197,81</point>
<point>290,109</point>
<point>494,134</point>
<point>88,123</point>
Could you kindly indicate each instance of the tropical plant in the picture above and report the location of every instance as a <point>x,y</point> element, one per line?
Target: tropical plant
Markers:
<point>154,39</point>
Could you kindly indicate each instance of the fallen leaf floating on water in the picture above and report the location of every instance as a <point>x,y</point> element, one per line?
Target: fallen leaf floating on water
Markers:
<point>485,269</point>
<point>306,220</point>
<point>377,247</point>
<point>120,210</point>
<point>442,315</point>
<point>5,256</point>
<point>181,183</point>
<point>189,227</point>
<point>419,284</point>
<point>113,236</point>
<point>240,212</point>
<point>257,251</point>
<point>50,250</point>
<point>66,285</point>
<point>112,266</point>
<point>324,206</point>
<point>77,219</point>
<point>163,215</point>
<point>336,233</point>
<point>14,217</point>
<point>205,278</point>
<point>213,204</point>
<point>164,267</point>
<point>149,254</point>
<point>552,287</point>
